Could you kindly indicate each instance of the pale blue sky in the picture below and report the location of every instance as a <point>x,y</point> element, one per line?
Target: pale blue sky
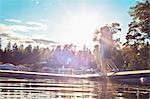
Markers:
<point>72,21</point>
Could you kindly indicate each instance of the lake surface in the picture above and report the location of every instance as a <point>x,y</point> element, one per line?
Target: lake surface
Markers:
<point>67,88</point>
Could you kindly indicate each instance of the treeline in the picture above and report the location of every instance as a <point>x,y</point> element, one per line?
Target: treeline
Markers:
<point>132,56</point>
<point>23,55</point>
<point>126,56</point>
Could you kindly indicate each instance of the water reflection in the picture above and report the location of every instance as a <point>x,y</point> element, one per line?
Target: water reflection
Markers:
<point>49,89</point>
<point>11,88</point>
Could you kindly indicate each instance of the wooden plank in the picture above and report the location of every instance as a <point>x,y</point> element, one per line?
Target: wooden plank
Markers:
<point>22,74</point>
<point>35,75</point>
<point>128,73</point>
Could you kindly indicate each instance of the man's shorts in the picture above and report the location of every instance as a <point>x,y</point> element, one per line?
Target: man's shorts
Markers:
<point>105,51</point>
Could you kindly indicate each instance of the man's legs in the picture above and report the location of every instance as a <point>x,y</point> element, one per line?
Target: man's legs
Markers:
<point>104,82</point>
<point>104,66</point>
<point>112,65</point>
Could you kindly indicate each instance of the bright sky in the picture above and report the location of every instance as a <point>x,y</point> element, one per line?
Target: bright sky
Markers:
<point>65,21</point>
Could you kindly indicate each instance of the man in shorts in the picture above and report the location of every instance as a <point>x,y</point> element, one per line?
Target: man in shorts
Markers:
<point>106,45</point>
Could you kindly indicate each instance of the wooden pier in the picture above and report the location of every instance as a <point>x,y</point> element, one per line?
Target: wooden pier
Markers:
<point>34,75</point>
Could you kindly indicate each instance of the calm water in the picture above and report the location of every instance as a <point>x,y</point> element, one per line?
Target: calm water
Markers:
<point>11,88</point>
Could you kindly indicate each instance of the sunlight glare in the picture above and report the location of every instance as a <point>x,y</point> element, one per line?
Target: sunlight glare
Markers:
<point>79,28</point>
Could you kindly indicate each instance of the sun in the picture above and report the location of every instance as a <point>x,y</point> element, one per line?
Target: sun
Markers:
<point>78,28</point>
<point>81,22</point>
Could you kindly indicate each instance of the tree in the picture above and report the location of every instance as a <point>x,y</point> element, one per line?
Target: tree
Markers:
<point>8,48</point>
<point>0,43</point>
<point>1,50</point>
<point>139,28</point>
<point>135,49</point>
<point>28,49</point>
<point>15,47</point>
